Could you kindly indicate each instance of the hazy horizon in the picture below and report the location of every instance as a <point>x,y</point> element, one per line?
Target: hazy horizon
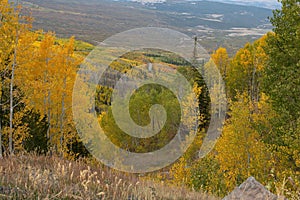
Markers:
<point>272,4</point>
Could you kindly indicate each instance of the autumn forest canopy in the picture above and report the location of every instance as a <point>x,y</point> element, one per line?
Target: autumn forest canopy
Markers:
<point>260,136</point>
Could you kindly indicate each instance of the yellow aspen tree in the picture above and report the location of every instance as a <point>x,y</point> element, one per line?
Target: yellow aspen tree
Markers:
<point>5,51</point>
<point>239,72</point>
<point>11,33</point>
<point>66,76</point>
<point>41,80</point>
<point>240,150</point>
<point>48,61</point>
<point>48,83</point>
<point>214,76</point>
<point>245,70</point>
<point>36,76</point>
<point>195,136</point>
<point>221,60</point>
<point>26,49</point>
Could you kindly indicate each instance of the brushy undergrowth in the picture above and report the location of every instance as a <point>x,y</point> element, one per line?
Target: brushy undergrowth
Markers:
<point>52,177</point>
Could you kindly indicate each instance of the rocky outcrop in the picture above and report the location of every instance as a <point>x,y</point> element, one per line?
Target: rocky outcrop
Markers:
<point>251,189</point>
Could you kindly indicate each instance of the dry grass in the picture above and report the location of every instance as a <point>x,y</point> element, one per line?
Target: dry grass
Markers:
<point>45,177</point>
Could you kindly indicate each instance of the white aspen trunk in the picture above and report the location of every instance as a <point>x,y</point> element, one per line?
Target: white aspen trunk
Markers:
<point>11,95</point>
<point>49,116</point>
<point>46,111</point>
<point>62,113</point>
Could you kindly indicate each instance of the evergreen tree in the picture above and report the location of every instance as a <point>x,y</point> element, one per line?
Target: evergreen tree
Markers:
<point>282,80</point>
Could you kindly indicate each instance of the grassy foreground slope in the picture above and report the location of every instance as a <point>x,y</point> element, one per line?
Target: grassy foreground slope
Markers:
<point>50,177</point>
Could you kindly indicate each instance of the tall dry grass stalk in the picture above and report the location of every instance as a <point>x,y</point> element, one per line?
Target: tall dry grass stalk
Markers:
<point>51,177</point>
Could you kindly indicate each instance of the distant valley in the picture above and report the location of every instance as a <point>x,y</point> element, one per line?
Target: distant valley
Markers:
<point>216,24</point>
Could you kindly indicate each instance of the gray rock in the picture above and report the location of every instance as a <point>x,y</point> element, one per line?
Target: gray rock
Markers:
<point>251,189</point>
